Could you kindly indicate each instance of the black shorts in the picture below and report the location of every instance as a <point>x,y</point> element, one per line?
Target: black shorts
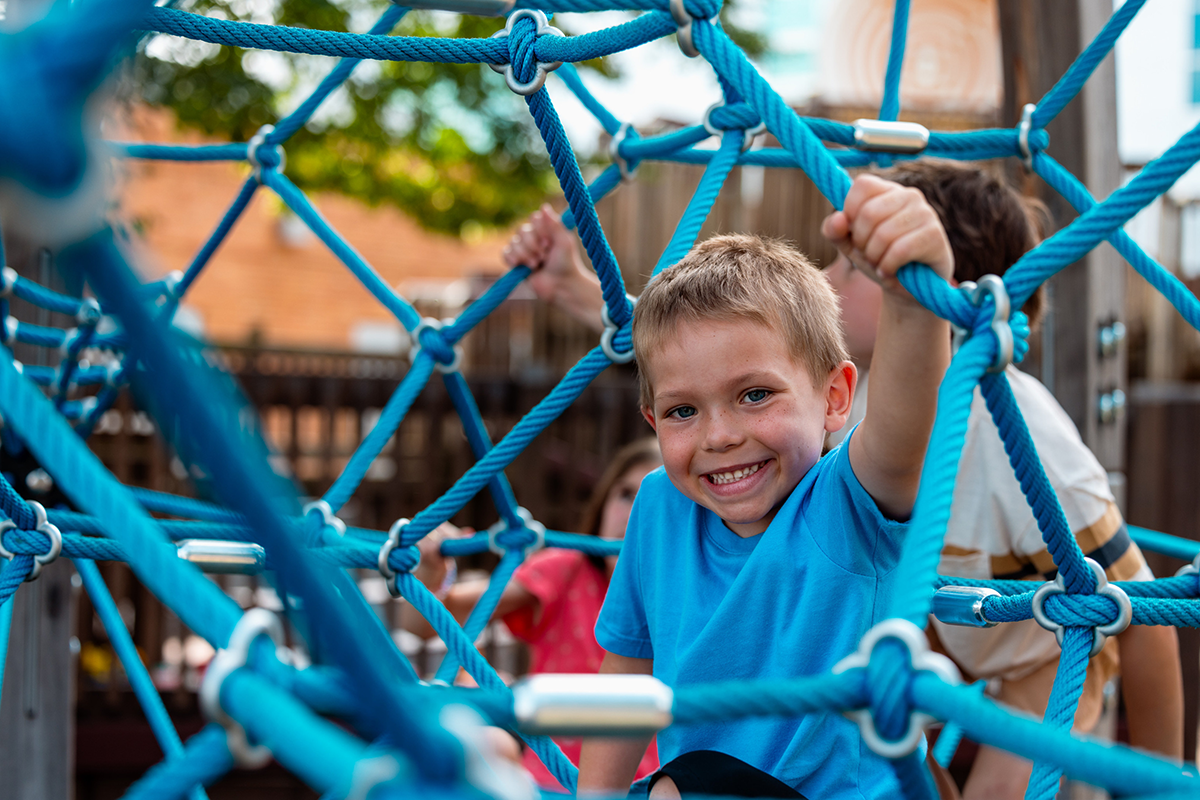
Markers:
<point>710,772</point>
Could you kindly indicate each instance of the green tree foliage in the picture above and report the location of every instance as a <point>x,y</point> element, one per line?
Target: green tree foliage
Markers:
<point>444,142</point>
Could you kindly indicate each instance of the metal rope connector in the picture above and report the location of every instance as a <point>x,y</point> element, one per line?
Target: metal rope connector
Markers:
<point>385,552</point>
<point>1103,587</point>
<point>528,522</point>
<point>994,285</point>
<point>748,133</point>
<point>614,151</point>
<point>254,623</point>
<point>328,518</point>
<point>683,23</point>
<point>596,705</point>
<point>257,141</point>
<point>429,323</point>
<point>1023,134</point>
<point>922,660</point>
<point>42,525</point>
<point>610,333</point>
<point>544,68</point>
<point>883,136</point>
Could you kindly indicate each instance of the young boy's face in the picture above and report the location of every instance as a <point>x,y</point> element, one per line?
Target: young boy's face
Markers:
<point>739,419</point>
<point>861,299</point>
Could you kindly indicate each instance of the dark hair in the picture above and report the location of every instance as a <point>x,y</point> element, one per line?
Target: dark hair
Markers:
<point>641,451</point>
<point>989,224</point>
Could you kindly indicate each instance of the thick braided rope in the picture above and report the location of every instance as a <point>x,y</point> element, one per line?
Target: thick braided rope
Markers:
<point>889,109</point>
<point>1022,454</point>
<point>1060,713</point>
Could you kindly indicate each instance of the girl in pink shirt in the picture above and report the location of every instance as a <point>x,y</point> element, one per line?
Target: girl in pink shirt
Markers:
<point>553,599</point>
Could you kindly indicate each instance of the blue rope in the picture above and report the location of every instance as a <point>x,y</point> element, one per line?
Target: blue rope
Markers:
<point>135,670</point>
<point>890,108</point>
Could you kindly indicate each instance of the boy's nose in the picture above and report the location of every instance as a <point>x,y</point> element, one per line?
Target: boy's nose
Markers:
<point>721,433</point>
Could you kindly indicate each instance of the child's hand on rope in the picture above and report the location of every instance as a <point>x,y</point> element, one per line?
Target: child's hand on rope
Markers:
<point>559,275</point>
<point>436,571</point>
<point>883,226</point>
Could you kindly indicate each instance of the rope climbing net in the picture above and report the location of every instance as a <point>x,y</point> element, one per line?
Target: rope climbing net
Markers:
<point>394,734</point>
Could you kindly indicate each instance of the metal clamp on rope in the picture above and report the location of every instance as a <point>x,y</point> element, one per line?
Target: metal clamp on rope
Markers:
<point>1023,134</point>
<point>1190,569</point>
<point>994,285</point>
<point>1103,587</point>
<point>922,659</point>
<point>592,705</point>
<point>544,68</point>
<point>89,312</point>
<point>476,8</point>
<point>528,522</point>
<point>748,136</point>
<point>254,623</point>
<point>614,151</point>
<point>42,526</point>
<point>963,605</point>
<point>258,140</point>
<point>683,24</point>
<point>385,552</point>
<point>610,333</point>
<point>429,323</point>
<point>328,518</point>
<point>223,557</point>
<point>8,279</point>
<point>882,136</point>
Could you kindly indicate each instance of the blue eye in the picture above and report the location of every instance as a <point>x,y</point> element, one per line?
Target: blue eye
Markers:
<point>682,412</point>
<point>757,395</point>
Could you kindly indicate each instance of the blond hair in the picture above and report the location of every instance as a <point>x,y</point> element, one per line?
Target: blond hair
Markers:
<point>743,276</point>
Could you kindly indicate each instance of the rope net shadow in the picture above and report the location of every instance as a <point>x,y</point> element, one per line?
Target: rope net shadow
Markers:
<point>396,736</point>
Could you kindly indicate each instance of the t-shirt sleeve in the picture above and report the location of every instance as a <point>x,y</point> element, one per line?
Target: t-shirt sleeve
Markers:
<point>621,627</point>
<point>546,575</point>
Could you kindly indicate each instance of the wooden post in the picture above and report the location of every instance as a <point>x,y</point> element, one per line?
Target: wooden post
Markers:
<point>1039,41</point>
<point>37,706</point>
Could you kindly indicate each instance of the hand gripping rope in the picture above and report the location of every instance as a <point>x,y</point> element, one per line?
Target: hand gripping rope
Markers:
<point>41,526</point>
<point>1104,588</point>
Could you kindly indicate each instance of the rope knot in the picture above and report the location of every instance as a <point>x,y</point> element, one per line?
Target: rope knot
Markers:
<point>395,557</point>
<point>38,529</point>
<point>523,73</point>
<point>429,335</point>
<point>1083,608</point>
<point>504,538</point>
<point>264,154</point>
<point>993,313</point>
<point>892,653</point>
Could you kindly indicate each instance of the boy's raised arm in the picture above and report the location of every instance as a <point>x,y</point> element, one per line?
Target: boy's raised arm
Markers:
<point>884,226</point>
<point>607,766</point>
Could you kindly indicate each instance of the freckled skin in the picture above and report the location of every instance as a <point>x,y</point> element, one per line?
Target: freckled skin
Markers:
<point>727,396</point>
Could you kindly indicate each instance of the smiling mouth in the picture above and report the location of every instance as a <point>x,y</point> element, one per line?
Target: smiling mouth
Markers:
<point>721,478</point>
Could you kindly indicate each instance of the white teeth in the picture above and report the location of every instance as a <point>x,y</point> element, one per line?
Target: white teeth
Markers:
<point>736,475</point>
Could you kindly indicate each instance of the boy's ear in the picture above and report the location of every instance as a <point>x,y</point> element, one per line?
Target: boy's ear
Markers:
<point>839,395</point>
<point>648,415</point>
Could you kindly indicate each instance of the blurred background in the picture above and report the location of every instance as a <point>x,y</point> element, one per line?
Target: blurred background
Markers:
<point>427,169</point>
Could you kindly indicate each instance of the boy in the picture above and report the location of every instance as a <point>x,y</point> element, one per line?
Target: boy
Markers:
<point>992,532</point>
<point>752,556</point>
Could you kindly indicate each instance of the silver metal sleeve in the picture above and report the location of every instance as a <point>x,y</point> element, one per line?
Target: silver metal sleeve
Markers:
<point>222,557</point>
<point>592,705</point>
<point>962,605</point>
<point>890,137</point>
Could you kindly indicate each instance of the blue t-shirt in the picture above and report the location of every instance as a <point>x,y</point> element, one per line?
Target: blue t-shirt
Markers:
<point>708,605</point>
